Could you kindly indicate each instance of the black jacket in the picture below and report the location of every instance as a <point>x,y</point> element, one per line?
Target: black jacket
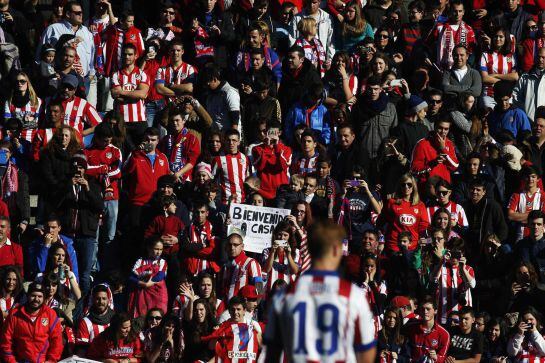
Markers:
<point>344,162</point>
<point>89,206</point>
<point>484,218</point>
<point>292,88</point>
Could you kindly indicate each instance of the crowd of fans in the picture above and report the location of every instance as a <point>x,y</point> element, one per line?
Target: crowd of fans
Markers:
<point>419,127</point>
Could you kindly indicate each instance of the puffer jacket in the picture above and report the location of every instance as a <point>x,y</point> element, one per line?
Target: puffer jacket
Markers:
<point>319,121</point>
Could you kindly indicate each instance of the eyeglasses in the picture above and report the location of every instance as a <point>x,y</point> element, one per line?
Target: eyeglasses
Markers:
<point>21,81</point>
<point>156,318</point>
<point>407,185</point>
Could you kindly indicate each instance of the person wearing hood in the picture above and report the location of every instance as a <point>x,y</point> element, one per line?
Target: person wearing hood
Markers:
<point>97,318</point>
<point>529,92</point>
<point>311,111</point>
<point>414,127</point>
<point>374,116</point>
<point>222,101</point>
<point>298,75</point>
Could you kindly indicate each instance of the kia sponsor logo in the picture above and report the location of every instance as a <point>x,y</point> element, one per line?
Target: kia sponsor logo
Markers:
<point>407,219</point>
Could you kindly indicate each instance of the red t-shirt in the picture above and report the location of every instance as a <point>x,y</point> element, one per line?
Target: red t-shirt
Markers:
<point>404,217</point>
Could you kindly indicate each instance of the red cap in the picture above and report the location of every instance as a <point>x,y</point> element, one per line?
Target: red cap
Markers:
<point>400,301</point>
<point>249,292</point>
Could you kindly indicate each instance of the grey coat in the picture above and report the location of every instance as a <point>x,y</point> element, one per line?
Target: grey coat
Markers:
<point>471,82</point>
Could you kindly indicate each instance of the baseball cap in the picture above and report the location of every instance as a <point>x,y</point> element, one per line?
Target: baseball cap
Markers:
<point>70,80</point>
<point>235,230</point>
<point>249,292</point>
<point>400,301</point>
<point>35,287</point>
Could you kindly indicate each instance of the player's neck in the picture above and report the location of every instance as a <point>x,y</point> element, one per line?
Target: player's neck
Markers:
<point>428,324</point>
<point>327,264</point>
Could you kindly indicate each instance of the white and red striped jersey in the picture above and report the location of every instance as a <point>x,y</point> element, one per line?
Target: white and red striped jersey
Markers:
<point>184,73</point>
<point>132,111</point>
<point>304,165</point>
<point>40,140</point>
<point>457,213</point>
<point>522,203</point>
<point>27,114</point>
<point>180,304</point>
<point>496,63</point>
<point>280,267</point>
<point>237,273</point>
<point>370,292</point>
<point>236,342</point>
<point>88,331</point>
<point>78,111</point>
<point>203,260</point>
<point>320,318</point>
<point>527,348</point>
<point>231,170</point>
<point>305,255</point>
<point>450,287</point>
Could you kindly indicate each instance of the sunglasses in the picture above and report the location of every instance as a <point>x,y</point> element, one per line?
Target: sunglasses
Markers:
<point>533,27</point>
<point>435,102</point>
<point>443,192</point>
<point>407,185</point>
<point>21,81</point>
<point>77,12</point>
<point>157,318</point>
<point>381,36</point>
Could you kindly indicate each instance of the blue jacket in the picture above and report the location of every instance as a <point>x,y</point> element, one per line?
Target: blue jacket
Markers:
<point>514,120</point>
<point>38,255</point>
<point>319,121</point>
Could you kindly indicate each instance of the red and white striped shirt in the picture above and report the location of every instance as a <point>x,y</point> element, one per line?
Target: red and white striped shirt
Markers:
<point>280,269</point>
<point>78,111</point>
<point>132,111</point>
<point>496,63</point>
<point>527,348</point>
<point>28,113</point>
<point>304,165</point>
<point>180,304</point>
<point>184,73</point>
<point>379,289</point>
<point>305,255</point>
<point>203,259</point>
<point>145,268</point>
<point>232,170</point>
<point>321,318</point>
<point>88,331</point>
<point>236,342</point>
<point>450,287</point>
<point>457,213</point>
<point>40,140</point>
<point>524,202</point>
<point>237,273</point>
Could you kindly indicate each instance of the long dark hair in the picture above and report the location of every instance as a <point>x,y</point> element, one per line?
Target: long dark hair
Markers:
<point>394,334</point>
<point>284,226</point>
<point>111,332</point>
<point>307,222</point>
<point>213,299</point>
<point>51,252</point>
<point>3,276</point>
<point>207,326</point>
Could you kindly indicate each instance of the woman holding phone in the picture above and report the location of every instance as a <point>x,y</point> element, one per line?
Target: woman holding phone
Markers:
<point>527,344</point>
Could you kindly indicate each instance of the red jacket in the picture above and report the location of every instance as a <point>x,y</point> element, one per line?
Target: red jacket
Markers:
<point>33,341</point>
<point>11,253</point>
<point>421,343</point>
<point>163,225</point>
<point>142,176</point>
<point>105,166</point>
<point>272,165</point>
<point>424,154</point>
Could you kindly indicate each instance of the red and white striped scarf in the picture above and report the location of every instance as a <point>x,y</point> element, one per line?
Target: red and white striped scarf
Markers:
<point>449,39</point>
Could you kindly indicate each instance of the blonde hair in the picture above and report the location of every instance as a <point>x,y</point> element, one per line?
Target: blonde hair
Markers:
<point>415,198</point>
<point>265,31</point>
<point>33,97</point>
<point>307,26</point>
<point>298,178</point>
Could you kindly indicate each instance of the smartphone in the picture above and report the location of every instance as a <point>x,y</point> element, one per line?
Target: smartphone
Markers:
<point>354,183</point>
<point>529,326</point>
<point>456,254</point>
<point>280,243</point>
<point>395,83</point>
